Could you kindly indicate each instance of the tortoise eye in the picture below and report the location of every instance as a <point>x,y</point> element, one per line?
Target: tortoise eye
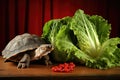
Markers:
<point>43,48</point>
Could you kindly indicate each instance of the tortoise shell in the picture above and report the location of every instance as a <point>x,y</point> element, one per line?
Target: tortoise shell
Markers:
<point>16,48</point>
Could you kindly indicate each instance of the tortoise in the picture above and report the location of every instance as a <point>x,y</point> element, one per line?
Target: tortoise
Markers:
<point>25,48</point>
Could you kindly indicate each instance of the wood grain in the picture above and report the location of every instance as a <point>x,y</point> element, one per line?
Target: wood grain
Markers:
<point>37,71</point>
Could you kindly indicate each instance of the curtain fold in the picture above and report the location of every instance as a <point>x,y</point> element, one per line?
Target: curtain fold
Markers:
<point>21,16</point>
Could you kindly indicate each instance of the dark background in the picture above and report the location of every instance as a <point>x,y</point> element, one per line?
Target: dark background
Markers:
<point>20,16</point>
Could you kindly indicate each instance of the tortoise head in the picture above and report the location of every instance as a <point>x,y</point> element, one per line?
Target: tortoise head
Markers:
<point>43,50</point>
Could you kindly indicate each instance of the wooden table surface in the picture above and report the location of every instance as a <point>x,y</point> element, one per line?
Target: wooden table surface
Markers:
<point>39,72</point>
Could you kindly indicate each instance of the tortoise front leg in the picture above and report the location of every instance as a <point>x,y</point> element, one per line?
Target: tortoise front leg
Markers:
<point>24,62</point>
<point>47,60</point>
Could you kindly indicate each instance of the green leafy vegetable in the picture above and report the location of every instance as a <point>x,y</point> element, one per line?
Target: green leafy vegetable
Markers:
<point>83,38</point>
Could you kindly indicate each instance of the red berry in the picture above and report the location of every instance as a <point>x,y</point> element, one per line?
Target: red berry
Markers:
<point>66,67</point>
<point>61,65</point>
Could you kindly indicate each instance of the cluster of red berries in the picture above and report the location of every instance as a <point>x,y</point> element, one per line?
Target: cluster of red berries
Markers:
<point>65,67</point>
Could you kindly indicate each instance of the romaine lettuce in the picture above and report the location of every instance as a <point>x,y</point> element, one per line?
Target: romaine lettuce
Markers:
<point>83,38</point>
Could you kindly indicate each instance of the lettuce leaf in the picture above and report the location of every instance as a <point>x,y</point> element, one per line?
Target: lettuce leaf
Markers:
<point>83,39</point>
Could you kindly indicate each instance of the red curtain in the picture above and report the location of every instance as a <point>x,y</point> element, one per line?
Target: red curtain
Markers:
<point>21,16</point>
